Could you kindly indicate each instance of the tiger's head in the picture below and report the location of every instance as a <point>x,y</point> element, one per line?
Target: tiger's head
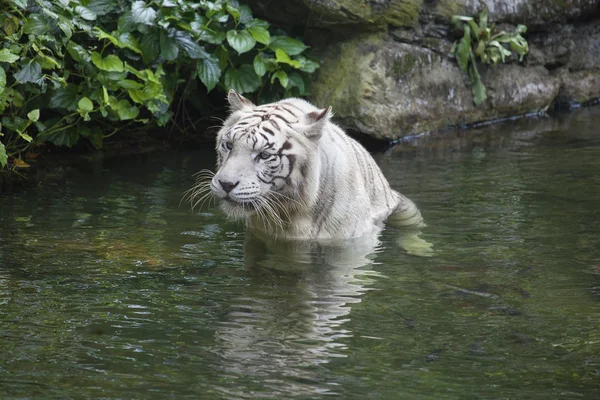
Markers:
<point>267,157</point>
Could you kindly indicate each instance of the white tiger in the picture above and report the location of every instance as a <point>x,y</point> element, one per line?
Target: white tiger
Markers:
<point>291,173</point>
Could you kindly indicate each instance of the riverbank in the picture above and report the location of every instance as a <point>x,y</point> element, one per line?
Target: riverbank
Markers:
<point>388,72</point>
<point>54,167</point>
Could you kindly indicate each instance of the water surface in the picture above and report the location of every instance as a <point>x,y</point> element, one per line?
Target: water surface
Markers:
<point>110,289</point>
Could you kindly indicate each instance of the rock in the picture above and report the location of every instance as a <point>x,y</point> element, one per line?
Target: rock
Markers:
<point>572,53</point>
<point>387,71</point>
<point>343,12</point>
<point>536,14</point>
<point>539,14</point>
<point>389,89</point>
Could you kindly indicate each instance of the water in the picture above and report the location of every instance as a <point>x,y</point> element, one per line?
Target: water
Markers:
<point>109,289</point>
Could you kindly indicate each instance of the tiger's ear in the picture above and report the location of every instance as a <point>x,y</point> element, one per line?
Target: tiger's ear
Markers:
<point>314,123</point>
<point>238,102</point>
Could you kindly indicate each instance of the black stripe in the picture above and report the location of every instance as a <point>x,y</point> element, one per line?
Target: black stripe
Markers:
<point>263,135</point>
<point>280,117</point>
<point>285,109</point>
<point>295,106</point>
<point>286,146</point>
<point>275,124</point>
<point>304,170</point>
<point>292,160</point>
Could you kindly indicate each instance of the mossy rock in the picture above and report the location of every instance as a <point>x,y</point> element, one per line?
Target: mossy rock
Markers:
<point>403,13</point>
<point>389,90</point>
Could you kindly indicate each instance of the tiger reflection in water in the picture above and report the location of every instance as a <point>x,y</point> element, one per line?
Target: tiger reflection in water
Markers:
<point>293,316</point>
<point>314,202</point>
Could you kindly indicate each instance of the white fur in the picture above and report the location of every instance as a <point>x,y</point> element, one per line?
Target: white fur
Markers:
<point>335,189</point>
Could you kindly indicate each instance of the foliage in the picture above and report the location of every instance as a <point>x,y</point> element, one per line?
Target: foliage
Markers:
<point>479,40</point>
<point>88,68</point>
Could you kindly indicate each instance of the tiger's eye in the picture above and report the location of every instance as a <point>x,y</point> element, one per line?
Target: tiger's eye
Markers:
<point>264,155</point>
<point>228,145</point>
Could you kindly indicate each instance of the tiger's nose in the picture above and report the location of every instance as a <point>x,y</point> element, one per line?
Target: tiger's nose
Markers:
<point>228,186</point>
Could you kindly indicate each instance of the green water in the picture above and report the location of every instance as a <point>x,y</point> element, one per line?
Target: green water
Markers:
<point>111,290</point>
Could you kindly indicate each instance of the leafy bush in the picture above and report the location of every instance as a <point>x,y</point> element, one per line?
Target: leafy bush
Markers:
<point>88,68</point>
<point>491,48</point>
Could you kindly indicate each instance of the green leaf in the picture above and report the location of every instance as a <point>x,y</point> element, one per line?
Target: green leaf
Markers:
<point>242,80</point>
<point>105,97</point>
<point>193,49</point>
<point>307,65</point>
<point>65,137</point>
<point>126,22</point>
<point>25,136</point>
<point>457,19</point>
<point>290,46</point>
<point>246,15</point>
<point>85,13</point>
<point>36,24</point>
<point>125,110</point>
<point>124,41</point>
<point>478,88</point>
<point>85,105</point>
<point>241,41</point>
<point>64,98</point>
<point>140,96</point>
<point>463,50</point>
<point>2,80</point>
<point>521,29</point>
<point>93,134</point>
<point>31,72</point>
<point>235,13</point>
<point>22,4</point>
<point>130,84</point>
<point>102,7</point>
<point>209,72</point>
<point>500,50</point>
<point>142,14</point>
<point>150,46</point>
<point>109,63</point>
<point>66,27</point>
<point>168,47</point>
<point>15,123</point>
<point>7,57</point>
<point>281,76</point>
<point>261,35</point>
<point>483,19</point>
<point>212,36</point>
<point>474,29</point>
<point>296,80</point>
<point>78,53</point>
<point>282,57</point>
<point>260,67</point>
<point>33,115</point>
<point>219,16</point>
<point>516,42</point>
<point>127,40</point>
<point>3,155</point>
<point>257,22</point>
<point>271,64</point>
<point>47,62</point>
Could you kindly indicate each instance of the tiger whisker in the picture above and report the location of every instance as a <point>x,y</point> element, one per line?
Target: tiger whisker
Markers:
<point>258,206</point>
<point>191,194</point>
<point>272,209</point>
<point>279,206</point>
<point>295,204</point>
<point>204,171</point>
<point>202,200</point>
